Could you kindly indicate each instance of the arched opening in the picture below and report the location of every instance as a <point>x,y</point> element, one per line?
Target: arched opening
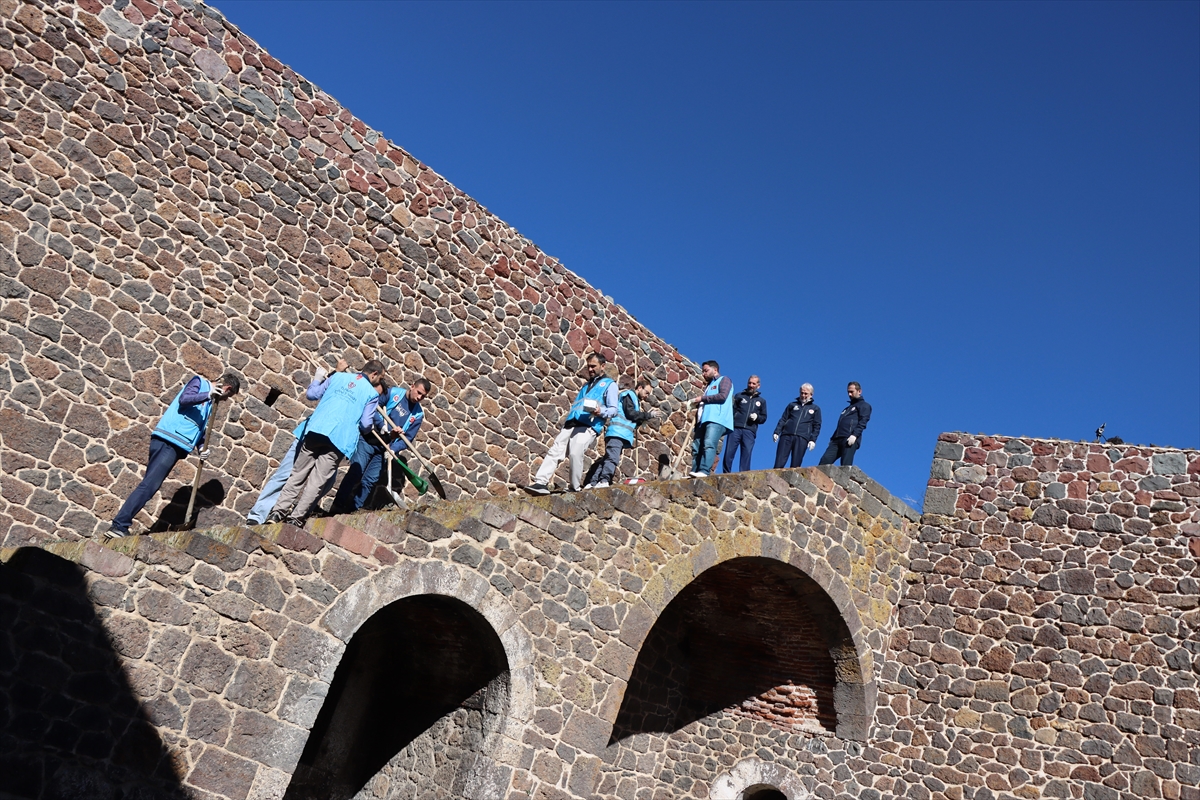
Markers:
<point>422,686</point>
<point>755,638</point>
<point>763,793</point>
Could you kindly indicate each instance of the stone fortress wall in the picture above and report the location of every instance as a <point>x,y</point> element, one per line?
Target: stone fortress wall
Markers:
<point>173,200</point>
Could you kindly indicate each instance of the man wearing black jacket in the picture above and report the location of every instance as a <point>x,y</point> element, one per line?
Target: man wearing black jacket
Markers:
<point>621,431</point>
<point>848,437</point>
<point>798,429</point>
<point>749,411</point>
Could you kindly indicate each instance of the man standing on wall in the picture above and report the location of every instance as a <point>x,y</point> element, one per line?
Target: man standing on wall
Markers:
<point>621,431</point>
<point>798,429</point>
<point>403,407</point>
<point>848,437</point>
<point>274,485</point>
<point>346,409</point>
<point>179,432</point>
<point>595,404</point>
<point>749,411</point>
<point>714,414</point>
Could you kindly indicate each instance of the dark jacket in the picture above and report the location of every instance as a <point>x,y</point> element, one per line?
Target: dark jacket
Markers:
<point>636,417</point>
<point>747,403</point>
<point>853,420</point>
<point>800,419</point>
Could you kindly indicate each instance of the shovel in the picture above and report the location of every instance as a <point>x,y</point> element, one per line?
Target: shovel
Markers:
<point>188,523</point>
<point>418,482</point>
<point>673,473</point>
<point>434,481</point>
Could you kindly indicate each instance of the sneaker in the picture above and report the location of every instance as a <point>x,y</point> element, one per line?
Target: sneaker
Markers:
<point>698,474</point>
<point>600,485</point>
<point>297,521</point>
<point>274,517</point>
<point>538,488</point>
<point>251,522</point>
<point>114,532</point>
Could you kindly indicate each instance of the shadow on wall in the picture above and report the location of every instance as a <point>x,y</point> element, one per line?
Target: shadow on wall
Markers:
<point>423,662</point>
<point>210,496</point>
<point>70,724</point>
<point>752,636</point>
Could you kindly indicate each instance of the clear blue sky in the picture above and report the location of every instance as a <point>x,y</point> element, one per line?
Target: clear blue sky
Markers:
<point>989,214</point>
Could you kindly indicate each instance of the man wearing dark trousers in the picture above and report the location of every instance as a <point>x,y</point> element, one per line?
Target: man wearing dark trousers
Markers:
<point>798,429</point>
<point>749,411</point>
<point>848,437</point>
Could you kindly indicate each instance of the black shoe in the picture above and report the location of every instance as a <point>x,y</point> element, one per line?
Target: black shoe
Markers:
<point>538,488</point>
<point>275,516</point>
<point>114,532</point>
<point>297,521</point>
<point>250,523</point>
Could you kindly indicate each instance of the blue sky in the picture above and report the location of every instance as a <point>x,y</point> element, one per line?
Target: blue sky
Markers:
<point>989,214</point>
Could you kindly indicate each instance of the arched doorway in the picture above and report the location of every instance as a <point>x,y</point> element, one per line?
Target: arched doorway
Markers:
<point>753,637</point>
<point>422,687</point>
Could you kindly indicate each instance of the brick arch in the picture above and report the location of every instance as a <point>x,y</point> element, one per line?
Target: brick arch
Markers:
<point>855,690</point>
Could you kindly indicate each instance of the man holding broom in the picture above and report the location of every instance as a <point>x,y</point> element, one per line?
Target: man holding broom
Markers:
<point>180,431</point>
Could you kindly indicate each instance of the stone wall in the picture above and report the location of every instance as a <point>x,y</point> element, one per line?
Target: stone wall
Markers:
<point>174,200</point>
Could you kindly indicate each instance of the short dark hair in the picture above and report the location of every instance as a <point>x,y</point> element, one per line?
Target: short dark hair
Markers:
<point>855,384</point>
<point>712,364</point>
<point>374,365</point>
<point>232,381</point>
<point>641,382</point>
<point>598,356</point>
<point>424,384</point>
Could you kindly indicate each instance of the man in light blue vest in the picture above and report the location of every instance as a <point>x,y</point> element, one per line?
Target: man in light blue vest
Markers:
<point>274,485</point>
<point>179,432</point>
<point>621,431</point>
<point>595,403</point>
<point>403,407</point>
<point>714,418</point>
<point>346,409</point>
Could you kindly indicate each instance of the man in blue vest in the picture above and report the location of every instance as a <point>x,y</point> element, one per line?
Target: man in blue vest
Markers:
<point>621,430</point>
<point>749,411</point>
<point>179,432</point>
<point>798,429</point>
<point>274,485</point>
<point>714,418</point>
<point>847,438</point>
<point>346,409</point>
<point>403,407</point>
<point>594,405</point>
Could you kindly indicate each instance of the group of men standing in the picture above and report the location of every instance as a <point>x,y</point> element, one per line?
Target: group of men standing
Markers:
<point>599,407</point>
<point>358,416</point>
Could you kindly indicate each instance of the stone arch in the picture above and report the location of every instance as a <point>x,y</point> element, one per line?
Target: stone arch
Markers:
<point>753,777</point>
<point>428,644</point>
<point>854,689</point>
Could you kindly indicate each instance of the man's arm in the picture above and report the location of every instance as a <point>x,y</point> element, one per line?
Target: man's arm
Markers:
<point>762,413</point>
<point>367,419</point>
<point>864,416</point>
<point>636,416</point>
<point>610,401</point>
<point>816,423</point>
<point>192,396</point>
<point>723,390</point>
<point>316,389</point>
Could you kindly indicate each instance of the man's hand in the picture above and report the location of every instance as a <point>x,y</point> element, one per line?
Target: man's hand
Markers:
<point>850,440</point>
<point>319,375</point>
<point>655,413</point>
<point>218,393</point>
<point>204,454</point>
<point>776,437</point>
<point>698,400</point>
<point>342,365</point>
<point>753,417</point>
<point>811,445</point>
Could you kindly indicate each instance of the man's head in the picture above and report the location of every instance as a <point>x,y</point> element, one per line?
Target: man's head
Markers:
<point>752,384</point>
<point>594,365</point>
<point>373,371</point>
<point>806,392</point>
<point>419,390</point>
<point>710,370</point>
<point>229,384</point>
<point>642,389</point>
<point>854,389</point>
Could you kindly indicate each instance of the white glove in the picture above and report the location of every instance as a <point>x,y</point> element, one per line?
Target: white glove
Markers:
<point>753,417</point>
<point>216,394</point>
<point>319,375</point>
<point>777,437</point>
<point>850,440</point>
<point>811,445</point>
<point>204,454</point>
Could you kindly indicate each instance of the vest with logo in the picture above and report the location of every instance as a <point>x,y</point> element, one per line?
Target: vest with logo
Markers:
<point>620,426</point>
<point>183,427</point>
<point>578,415</point>
<point>722,413</point>
<point>340,409</point>
<point>406,416</point>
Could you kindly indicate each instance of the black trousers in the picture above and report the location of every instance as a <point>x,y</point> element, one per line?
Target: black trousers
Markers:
<point>789,446</point>
<point>739,438</point>
<point>839,449</point>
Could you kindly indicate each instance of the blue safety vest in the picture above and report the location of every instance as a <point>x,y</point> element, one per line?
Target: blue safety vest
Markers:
<point>620,426</point>
<point>340,409</point>
<point>577,413</point>
<point>407,418</point>
<point>183,427</point>
<point>721,414</point>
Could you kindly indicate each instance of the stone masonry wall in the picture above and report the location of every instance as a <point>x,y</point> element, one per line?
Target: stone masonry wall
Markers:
<point>174,200</point>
